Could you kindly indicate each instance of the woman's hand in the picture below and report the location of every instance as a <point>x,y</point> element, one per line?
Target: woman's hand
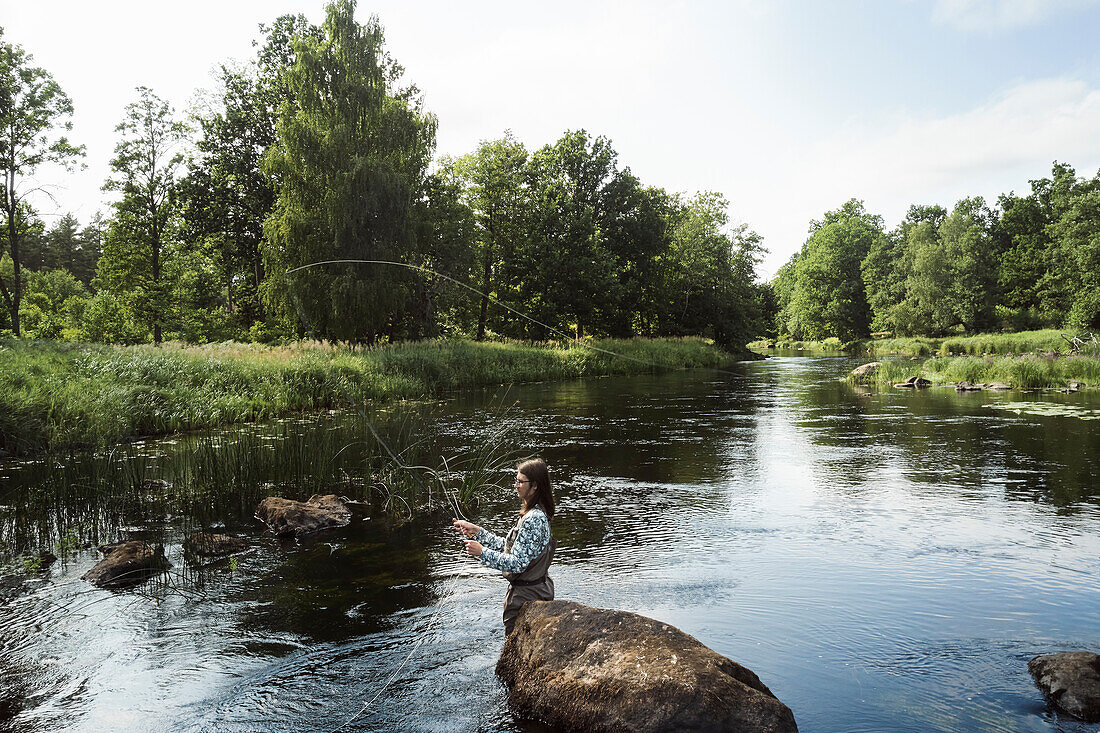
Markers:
<point>466,528</point>
<point>473,548</point>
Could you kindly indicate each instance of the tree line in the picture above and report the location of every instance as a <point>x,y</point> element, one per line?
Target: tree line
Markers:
<point>317,150</point>
<point>1030,261</point>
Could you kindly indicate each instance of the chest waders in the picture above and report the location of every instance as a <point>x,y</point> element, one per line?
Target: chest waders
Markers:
<point>533,584</point>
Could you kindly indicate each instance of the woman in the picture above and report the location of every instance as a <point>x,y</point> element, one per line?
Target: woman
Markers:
<point>525,554</point>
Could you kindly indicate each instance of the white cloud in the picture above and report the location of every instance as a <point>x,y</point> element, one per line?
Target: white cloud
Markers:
<point>998,15</point>
<point>993,148</point>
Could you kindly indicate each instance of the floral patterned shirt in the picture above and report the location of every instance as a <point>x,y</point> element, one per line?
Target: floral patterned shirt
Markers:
<point>532,539</point>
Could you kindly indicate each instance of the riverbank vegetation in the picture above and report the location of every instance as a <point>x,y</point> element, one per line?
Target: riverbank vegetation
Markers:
<point>1034,371</point>
<point>56,394</point>
<point>318,150</point>
<point>1023,343</point>
<point>1027,262</point>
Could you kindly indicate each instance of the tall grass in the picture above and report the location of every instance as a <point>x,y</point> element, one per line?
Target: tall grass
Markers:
<point>1023,342</point>
<point>829,345</point>
<point>62,394</point>
<point>1022,372</point>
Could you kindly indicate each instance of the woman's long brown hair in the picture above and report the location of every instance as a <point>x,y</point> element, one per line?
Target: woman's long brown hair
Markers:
<point>537,472</point>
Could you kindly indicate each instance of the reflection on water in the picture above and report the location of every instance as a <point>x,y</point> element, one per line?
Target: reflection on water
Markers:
<point>885,561</point>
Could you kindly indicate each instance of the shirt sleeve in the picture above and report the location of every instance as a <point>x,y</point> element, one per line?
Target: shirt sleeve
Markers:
<point>532,539</point>
<point>490,540</point>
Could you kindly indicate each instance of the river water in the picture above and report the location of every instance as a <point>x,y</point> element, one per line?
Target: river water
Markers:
<point>884,561</point>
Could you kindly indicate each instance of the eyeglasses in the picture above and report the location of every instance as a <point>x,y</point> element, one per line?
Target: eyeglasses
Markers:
<point>520,482</point>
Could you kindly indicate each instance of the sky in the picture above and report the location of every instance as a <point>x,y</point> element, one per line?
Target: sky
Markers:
<point>788,108</point>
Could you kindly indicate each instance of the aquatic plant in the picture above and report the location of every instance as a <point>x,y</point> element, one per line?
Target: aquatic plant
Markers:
<point>392,460</point>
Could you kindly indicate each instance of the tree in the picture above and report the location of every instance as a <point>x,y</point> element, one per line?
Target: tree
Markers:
<point>1022,240</point>
<point>828,297</point>
<point>636,224</point>
<point>968,247</point>
<point>567,182</point>
<point>349,162</point>
<point>144,170</point>
<point>1076,239</point>
<point>226,195</point>
<point>32,108</point>
<point>496,190</point>
<point>447,242</point>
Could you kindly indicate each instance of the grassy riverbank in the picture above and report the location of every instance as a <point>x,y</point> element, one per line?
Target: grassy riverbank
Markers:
<point>1021,372</point>
<point>58,394</point>
<point>829,345</point>
<point>1046,341</point>
<point>1042,342</point>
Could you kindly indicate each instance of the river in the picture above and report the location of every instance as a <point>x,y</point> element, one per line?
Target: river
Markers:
<point>883,560</point>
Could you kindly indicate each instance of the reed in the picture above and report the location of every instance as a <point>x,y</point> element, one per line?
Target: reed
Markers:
<point>162,491</point>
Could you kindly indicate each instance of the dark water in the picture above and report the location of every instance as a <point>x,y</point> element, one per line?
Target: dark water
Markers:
<point>883,561</point>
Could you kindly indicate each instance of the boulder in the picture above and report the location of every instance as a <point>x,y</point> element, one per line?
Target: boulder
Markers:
<point>288,517</point>
<point>866,371</point>
<point>126,564</point>
<point>998,386</point>
<point>914,383</point>
<point>585,669</point>
<point>968,387</point>
<point>209,544</point>
<point>1070,681</point>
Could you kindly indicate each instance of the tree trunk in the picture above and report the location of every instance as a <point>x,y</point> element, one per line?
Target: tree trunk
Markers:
<point>156,282</point>
<point>13,297</point>
<point>483,315</point>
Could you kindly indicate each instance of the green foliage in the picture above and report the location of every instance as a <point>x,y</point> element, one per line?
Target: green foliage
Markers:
<point>1022,372</point>
<point>140,240</point>
<point>350,156</point>
<point>32,108</point>
<point>827,293</point>
<point>493,178</point>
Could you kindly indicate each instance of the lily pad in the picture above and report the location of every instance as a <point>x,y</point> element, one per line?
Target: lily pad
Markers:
<point>1047,409</point>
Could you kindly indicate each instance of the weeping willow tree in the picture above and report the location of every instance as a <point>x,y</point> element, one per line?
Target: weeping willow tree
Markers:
<point>349,162</point>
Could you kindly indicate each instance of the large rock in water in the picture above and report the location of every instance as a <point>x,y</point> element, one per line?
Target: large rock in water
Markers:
<point>126,564</point>
<point>288,517</point>
<point>585,669</point>
<point>866,371</point>
<point>1070,681</point>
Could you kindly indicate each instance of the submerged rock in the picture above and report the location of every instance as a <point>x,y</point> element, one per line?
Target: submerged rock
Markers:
<point>586,669</point>
<point>1070,681</point>
<point>288,517</point>
<point>914,383</point>
<point>208,544</point>
<point>126,564</point>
